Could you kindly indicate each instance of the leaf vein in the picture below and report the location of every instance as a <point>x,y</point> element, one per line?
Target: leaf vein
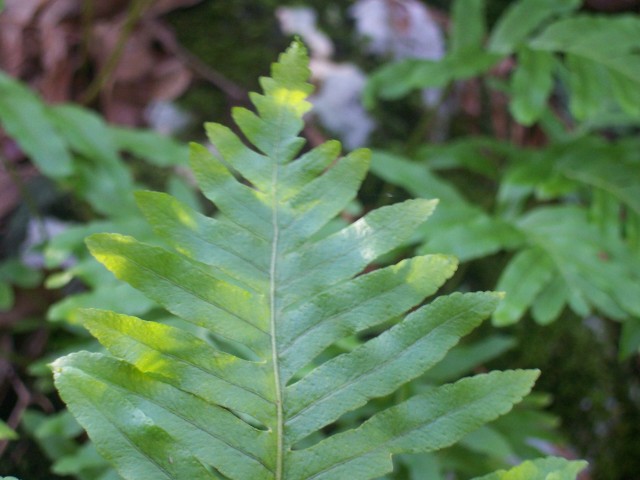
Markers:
<point>202,369</point>
<point>321,322</point>
<point>197,294</point>
<point>181,416</point>
<point>404,434</point>
<point>378,366</point>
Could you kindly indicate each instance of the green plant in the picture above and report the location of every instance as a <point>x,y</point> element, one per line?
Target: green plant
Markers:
<point>595,57</point>
<point>91,170</point>
<point>538,180</point>
<point>88,160</point>
<point>6,432</point>
<point>542,469</point>
<point>268,291</point>
<point>569,210</point>
<point>578,251</point>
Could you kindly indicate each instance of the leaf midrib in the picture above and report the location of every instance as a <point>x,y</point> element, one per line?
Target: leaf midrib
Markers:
<point>274,345</point>
<point>309,269</point>
<point>347,310</point>
<point>273,264</point>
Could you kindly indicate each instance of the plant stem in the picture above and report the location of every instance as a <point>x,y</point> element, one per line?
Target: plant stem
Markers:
<point>273,319</point>
<point>29,201</point>
<point>87,20</point>
<point>133,15</point>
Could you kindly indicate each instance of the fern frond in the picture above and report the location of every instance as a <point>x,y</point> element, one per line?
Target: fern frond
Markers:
<point>262,279</point>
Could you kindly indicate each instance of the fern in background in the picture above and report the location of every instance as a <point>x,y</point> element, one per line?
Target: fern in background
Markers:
<point>570,210</point>
<point>89,171</point>
<point>550,213</point>
<point>241,393</point>
<point>595,57</point>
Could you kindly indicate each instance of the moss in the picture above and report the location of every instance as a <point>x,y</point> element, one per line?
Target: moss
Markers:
<point>593,391</point>
<point>237,39</point>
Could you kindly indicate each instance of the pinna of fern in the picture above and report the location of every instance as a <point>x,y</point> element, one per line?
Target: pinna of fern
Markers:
<point>261,279</point>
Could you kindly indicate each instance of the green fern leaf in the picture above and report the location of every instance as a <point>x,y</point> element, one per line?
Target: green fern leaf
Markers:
<point>240,392</point>
<point>551,468</point>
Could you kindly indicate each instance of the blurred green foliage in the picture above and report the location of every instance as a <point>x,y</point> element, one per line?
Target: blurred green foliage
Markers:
<point>90,164</point>
<point>555,224</point>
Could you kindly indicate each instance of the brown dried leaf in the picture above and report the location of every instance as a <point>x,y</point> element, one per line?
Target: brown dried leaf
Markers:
<point>41,42</point>
<point>57,35</point>
<point>170,79</point>
<point>22,12</point>
<point>15,23</point>
<point>136,59</point>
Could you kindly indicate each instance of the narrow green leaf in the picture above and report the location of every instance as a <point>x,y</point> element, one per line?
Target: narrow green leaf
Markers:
<point>589,84</point>
<point>397,79</point>
<point>346,253</point>
<point>307,167</point>
<point>248,207</point>
<point>488,441</point>
<point>619,178</point>
<point>381,365</point>
<point>314,209</point>
<point>469,63</point>
<point>522,18</point>
<point>139,423</point>
<point>83,460</point>
<point>6,296</point>
<point>7,433</point>
<point>252,165</point>
<point>601,35</point>
<point>207,240</point>
<point>185,288</point>
<point>468,27</point>
<point>103,178</point>
<point>425,422</point>
<point>611,42</point>
<point>463,359</point>
<point>87,134</point>
<point>542,469</point>
<point>423,466</point>
<point>152,147</point>
<point>523,279</point>
<point>626,92</point>
<point>110,295</point>
<point>550,301</point>
<point>531,85</point>
<point>15,271</point>
<point>184,361</point>
<point>364,302</point>
<point>24,118</point>
<point>414,177</point>
<point>629,338</point>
